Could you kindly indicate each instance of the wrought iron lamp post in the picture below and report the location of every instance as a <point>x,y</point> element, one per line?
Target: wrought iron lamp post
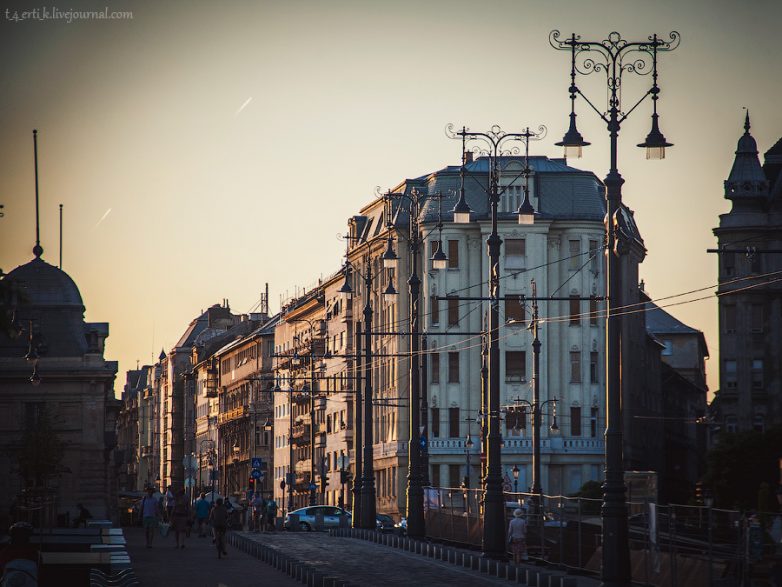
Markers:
<point>495,142</point>
<point>368,511</point>
<point>614,57</point>
<point>415,492</point>
<point>515,470</point>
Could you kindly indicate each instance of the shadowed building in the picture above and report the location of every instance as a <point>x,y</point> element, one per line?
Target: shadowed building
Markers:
<point>57,406</point>
<point>750,295</point>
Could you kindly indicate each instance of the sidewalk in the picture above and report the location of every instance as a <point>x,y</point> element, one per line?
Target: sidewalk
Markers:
<point>319,558</point>
<point>197,565</point>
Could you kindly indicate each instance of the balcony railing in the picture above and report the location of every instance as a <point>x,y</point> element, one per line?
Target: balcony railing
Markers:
<point>234,414</point>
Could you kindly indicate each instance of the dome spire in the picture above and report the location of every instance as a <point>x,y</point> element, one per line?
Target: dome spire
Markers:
<point>746,122</point>
<point>746,180</point>
<point>37,249</point>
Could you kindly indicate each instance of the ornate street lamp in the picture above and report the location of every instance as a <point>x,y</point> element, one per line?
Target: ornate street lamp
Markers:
<point>494,142</point>
<point>516,472</point>
<point>614,57</point>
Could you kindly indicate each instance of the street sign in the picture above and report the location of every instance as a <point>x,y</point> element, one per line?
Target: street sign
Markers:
<point>313,487</point>
<point>343,461</point>
<point>189,482</point>
<point>257,462</point>
<point>255,474</point>
<point>189,462</point>
<point>422,442</point>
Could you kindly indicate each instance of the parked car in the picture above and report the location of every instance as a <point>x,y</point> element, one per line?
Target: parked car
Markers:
<point>401,527</point>
<point>332,517</point>
<point>385,523</point>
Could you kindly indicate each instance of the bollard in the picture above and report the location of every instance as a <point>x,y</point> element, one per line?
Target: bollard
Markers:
<point>501,570</point>
<point>521,575</point>
<point>533,577</point>
<point>569,582</point>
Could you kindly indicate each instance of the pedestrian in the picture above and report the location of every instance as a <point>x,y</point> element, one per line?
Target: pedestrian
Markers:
<point>170,499</point>
<point>151,512</point>
<point>517,536</point>
<point>218,518</point>
<point>202,507</point>
<point>84,515</point>
<point>258,506</point>
<point>271,513</point>
<point>180,515</point>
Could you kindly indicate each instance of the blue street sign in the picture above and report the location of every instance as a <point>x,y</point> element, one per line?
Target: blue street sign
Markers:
<point>255,474</point>
<point>257,462</point>
<point>422,442</point>
<point>313,487</point>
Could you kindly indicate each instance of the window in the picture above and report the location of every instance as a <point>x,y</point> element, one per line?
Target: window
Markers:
<point>729,263</point>
<point>434,310</point>
<point>435,367</point>
<point>593,311</point>
<point>756,318</point>
<point>730,319</point>
<point>575,311</point>
<point>667,348</point>
<point>453,254</point>
<point>453,422</point>
<point>757,373</point>
<point>453,311</point>
<point>453,476</point>
<point>435,422</point>
<point>731,424</point>
<point>515,366</point>
<point>594,255</point>
<point>514,310</point>
<point>574,261</point>
<point>453,367</point>
<point>435,475</point>
<point>730,373</point>
<point>575,421</point>
<point>758,423</point>
<point>594,367</point>
<point>755,263</point>
<point>516,420</point>
<point>515,253</point>
<point>575,366</point>
<point>593,422</point>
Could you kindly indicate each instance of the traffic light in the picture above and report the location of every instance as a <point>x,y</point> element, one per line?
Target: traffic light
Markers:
<point>699,493</point>
<point>345,477</point>
<point>324,481</point>
<point>251,483</point>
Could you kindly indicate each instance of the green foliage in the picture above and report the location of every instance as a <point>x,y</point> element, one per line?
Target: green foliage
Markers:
<point>590,490</point>
<point>739,464</point>
<point>41,450</point>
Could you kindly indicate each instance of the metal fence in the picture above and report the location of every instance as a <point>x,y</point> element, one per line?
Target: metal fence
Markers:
<point>669,544</point>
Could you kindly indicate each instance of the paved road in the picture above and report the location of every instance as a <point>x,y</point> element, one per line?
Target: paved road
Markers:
<point>366,563</point>
<point>197,565</point>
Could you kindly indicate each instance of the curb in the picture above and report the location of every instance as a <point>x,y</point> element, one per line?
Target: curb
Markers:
<point>521,575</point>
<point>296,569</point>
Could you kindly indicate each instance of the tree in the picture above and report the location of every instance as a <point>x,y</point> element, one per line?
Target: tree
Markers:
<point>41,448</point>
<point>740,463</point>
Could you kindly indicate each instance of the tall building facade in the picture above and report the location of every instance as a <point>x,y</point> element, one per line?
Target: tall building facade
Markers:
<point>750,295</point>
<point>57,407</point>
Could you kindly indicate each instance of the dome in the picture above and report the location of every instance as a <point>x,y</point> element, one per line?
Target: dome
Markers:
<point>46,285</point>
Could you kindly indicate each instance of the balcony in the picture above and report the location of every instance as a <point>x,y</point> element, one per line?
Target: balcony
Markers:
<point>301,434</point>
<point>234,414</point>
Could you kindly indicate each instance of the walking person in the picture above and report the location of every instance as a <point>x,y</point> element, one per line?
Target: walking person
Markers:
<point>151,513</point>
<point>258,506</point>
<point>218,518</point>
<point>517,536</point>
<point>202,507</point>
<point>271,513</point>
<point>180,515</point>
<point>170,499</point>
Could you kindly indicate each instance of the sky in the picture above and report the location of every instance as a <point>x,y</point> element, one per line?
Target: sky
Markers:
<point>203,149</point>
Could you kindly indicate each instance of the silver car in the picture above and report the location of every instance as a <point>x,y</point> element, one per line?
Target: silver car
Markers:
<point>332,517</point>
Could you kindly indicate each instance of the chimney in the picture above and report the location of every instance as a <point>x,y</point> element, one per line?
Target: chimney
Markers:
<point>467,157</point>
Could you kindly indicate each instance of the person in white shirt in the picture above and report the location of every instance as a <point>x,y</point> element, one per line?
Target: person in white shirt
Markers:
<point>517,536</point>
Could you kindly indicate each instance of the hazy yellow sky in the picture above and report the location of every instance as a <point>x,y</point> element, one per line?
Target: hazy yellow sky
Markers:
<point>202,149</point>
